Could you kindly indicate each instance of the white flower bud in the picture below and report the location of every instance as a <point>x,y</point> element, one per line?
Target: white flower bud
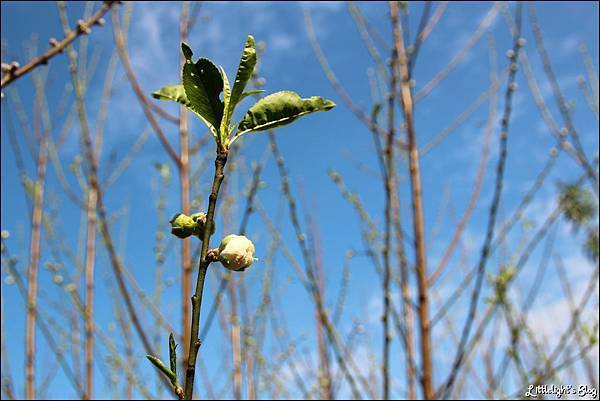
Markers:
<point>236,252</point>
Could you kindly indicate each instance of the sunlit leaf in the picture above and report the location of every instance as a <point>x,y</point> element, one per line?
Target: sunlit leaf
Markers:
<point>175,93</point>
<point>163,368</point>
<point>224,131</point>
<point>203,85</point>
<point>249,93</point>
<point>279,109</point>
<point>244,72</point>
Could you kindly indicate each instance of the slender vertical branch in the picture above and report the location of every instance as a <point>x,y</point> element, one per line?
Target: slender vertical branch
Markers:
<point>90,256</point>
<point>417,205</point>
<point>184,185</point>
<point>485,250</point>
<point>388,184</point>
<point>32,270</point>
<point>194,341</point>
<point>235,342</point>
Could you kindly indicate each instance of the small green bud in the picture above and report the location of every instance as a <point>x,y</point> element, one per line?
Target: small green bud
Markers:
<point>200,221</point>
<point>183,226</point>
<point>236,252</point>
<point>70,287</point>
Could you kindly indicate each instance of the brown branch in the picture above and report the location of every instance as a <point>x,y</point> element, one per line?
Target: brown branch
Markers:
<point>194,346</point>
<point>90,255</point>
<point>83,28</point>
<point>34,249</point>
<point>32,275</point>
<point>184,187</point>
<point>388,186</point>
<point>417,205</point>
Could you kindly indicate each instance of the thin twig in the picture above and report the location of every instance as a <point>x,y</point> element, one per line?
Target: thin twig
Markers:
<point>194,346</point>
<point>83,28</point>
<point>406,100</point>
<point>485,250</point>
<point>184,188</point>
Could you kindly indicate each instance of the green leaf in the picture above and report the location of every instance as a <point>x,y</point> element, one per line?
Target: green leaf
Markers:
<point>161,366</point>
<point>224,127</point>
<point>173,357</point>
<point>175,93</point>
<point>203,85</point>
<point>244,72</point>
<point>250,92</point>
<point>279,109</point>
<point>187,52</point>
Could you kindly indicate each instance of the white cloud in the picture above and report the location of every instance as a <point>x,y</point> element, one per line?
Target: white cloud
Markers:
<point>147,32</point>
<point>568,45</point>
<point>281,41</point>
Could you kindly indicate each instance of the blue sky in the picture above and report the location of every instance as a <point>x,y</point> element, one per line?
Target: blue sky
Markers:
<point>310,147</point>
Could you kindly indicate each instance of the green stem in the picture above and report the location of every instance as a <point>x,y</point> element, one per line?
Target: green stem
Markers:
<point>194,345</point>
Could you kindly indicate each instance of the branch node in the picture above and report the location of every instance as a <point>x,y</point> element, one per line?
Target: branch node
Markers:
<point>82,27</point>
<point>53,42</point>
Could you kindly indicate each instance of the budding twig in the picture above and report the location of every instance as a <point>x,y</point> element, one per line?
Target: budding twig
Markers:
<point>83,27</point>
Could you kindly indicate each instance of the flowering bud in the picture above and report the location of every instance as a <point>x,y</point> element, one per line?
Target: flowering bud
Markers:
<point>183,225</point>
<point>236,252</point>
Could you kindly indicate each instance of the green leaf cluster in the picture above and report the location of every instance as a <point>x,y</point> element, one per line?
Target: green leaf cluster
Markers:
<point>577,204</point>
<point>171,371</point>
<point>206,91</point>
